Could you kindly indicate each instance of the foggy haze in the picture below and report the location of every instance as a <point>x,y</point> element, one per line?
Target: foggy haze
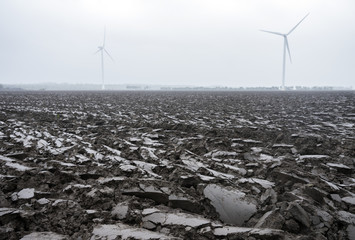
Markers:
<point>177,42</point>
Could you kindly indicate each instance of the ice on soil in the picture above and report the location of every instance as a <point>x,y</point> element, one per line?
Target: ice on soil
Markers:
<point>147,167</point>
<point>120,211</point>
<point>128,168</point>
<point>215,154</point>
<point>231,204</point>
<point>250,141</point>
<point>115,158</point>
<point>110,179</point>
<point>328,124</point>
<point>348,125</point>
<point>17,166</point>
<point>114,151</point>
<point>79,186</point>
<point>58,201</point>
<point>262,182</point>
<point>135,139</point>
<point>148,211</point>
<point>331,185</point>
<point>81,158</point>
<point>282,145</point>
<point>95,154</point>
<point>6,159</point>
<point>176,219</point>
<point>256,150</point>
<point>303,157</point>
<point>44,236</point>
<point>25,140</point>
<point>326,217</point>
<point>5,211</point>
<point>43,201</point>
<point>224,231</point>
<point>64,163</point>
<point>193,164</point>
<point>205,178</point>
<point>91,211</point>
<point>57,151</point>
<point>147,153</point>
<point>338,165</point>
<point>151,142</point>
<point>123,231</point>
<point>42,144</point>
<point>220,174</point>
<point>58,142</point>
<point>349,200</point>
<point>241,171</point>
<point>346,217</point>
<point>6,176</point>
<point>25,193</point>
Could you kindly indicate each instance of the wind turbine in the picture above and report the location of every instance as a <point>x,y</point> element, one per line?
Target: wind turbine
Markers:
<point>103,50</point>
<point>284,35</point>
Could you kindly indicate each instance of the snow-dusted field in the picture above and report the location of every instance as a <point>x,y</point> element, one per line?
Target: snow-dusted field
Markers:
<point>177,165</point>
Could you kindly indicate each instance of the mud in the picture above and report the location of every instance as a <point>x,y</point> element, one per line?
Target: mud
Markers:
<point>176,165</point>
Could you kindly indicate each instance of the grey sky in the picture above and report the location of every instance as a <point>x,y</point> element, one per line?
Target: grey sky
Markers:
<point>182,42</point>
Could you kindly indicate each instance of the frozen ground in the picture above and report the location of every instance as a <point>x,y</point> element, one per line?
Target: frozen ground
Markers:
<point>174,165</point>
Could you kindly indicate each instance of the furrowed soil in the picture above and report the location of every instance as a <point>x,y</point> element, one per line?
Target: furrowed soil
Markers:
<point>177,165</point>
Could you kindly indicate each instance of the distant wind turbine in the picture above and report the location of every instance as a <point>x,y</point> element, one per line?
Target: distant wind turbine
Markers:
<point>284,35</point>
<point>102,49</point>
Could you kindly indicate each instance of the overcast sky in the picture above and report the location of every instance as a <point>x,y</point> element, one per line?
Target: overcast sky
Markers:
<point>177,42</point>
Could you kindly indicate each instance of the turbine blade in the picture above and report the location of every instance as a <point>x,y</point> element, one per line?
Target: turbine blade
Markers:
<point>104,36</point>
<point>288,49</point>
<point>273,32</point>
<point>97,51</point>
<point>297,25</point>
<point>109,55</point>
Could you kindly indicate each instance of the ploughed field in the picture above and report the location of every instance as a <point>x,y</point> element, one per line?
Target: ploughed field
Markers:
<point>177,165</point>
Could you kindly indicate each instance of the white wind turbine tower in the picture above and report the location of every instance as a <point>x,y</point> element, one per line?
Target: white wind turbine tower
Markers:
<point>284,35</point>
<point>102,49</point>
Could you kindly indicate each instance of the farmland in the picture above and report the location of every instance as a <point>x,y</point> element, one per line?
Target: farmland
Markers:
<point>177,165</point>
